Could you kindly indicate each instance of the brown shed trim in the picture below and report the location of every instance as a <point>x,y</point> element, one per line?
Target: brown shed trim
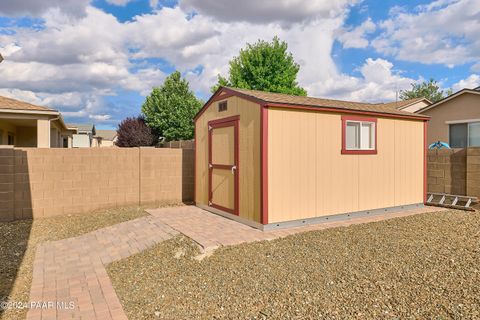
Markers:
<point>229,93</point>
<point>232,92</point>
<point>425,152</point>
<point>264,164</point>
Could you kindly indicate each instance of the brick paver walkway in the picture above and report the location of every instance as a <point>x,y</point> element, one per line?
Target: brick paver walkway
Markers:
<point>73,270</point>
<point>211,231</point>
<point>207,229</point>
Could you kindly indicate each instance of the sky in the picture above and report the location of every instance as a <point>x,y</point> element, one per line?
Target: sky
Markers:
<point>96,60</point>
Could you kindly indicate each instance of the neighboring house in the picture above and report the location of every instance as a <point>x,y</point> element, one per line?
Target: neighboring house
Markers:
<point>455,119</point>
<point>24,124</point>
<point>410,105</point>
<point>272,160</point>
<point>106,138</point>
<point>84,138</point>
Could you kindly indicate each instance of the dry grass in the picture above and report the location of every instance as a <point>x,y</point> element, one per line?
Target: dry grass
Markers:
<point>419,267</point>
<point>18,241</point>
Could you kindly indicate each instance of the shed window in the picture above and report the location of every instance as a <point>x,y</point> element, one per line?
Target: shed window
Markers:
<point>359,135</point>
<point>222,106</point>
<point>464,135</point>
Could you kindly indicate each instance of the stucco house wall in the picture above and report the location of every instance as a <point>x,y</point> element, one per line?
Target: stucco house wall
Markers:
<point>462,108</point>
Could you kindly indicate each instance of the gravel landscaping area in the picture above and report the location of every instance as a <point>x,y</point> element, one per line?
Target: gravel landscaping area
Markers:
<point>419,267</point>
<point>18,241</point>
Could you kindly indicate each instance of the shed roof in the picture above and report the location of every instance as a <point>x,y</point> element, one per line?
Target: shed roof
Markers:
<point>279,99</point>
<point>13,104</point>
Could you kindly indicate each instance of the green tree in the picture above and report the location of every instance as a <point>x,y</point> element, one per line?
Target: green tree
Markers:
<point>169,109</point>
<point>265,66</point>
<point>427,89</point>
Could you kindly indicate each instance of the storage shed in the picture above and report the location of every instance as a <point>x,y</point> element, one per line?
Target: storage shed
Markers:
<point>272,160</point>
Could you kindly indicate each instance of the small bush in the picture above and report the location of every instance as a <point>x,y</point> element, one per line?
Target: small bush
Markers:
<point>134,132</point>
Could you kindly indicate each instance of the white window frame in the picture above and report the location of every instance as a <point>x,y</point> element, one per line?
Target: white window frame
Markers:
<point>372,132</point>
<point>466,122</point>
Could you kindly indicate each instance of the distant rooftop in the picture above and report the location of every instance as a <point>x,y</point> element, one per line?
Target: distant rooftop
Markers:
<point>13,104</point>
<point>82,127</point>
<point>403,103</point>
<point>107,134</point>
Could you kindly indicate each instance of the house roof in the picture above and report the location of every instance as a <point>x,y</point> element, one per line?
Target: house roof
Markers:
<point>278,99</point>
<point>107,134</point>
<point>452,96</point>
<point>13,104</point>
<point>402,104</point>
<point>82,126</point>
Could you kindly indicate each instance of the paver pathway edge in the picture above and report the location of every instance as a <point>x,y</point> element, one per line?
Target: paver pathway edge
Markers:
<point>73,270</point>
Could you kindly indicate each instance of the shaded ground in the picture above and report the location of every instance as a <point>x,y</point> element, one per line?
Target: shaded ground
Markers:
<point>422,266</point>
<point>19,239</point>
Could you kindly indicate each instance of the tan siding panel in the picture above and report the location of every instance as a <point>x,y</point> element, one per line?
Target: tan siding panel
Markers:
<point>223,146</point>
<point>376,177</point>
<point>249,154</point>
<point>309,177</point>
<point>408,167</point>
<point>222,186</point>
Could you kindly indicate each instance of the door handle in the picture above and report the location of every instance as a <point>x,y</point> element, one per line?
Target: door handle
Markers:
<point>233,169</point>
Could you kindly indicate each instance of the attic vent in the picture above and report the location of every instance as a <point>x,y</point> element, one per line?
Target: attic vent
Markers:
<point>222,106</point>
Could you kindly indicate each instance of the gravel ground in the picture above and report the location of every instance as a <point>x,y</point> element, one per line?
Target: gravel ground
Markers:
<point>19,239</point>
<point>419,267</point>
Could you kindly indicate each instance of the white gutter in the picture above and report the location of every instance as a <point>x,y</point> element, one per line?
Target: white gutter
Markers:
<point>53,112</point>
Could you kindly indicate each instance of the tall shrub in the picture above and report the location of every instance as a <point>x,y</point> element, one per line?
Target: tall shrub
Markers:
<point>264,66</point>
<point>169,109</point>
<point>134,132</point>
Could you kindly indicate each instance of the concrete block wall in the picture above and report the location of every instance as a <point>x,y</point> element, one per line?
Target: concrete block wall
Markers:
<point>473,172</point>
<point>446,171</point>
<point>46,182</point>
<point>166,175</point>
<point>7,179</point>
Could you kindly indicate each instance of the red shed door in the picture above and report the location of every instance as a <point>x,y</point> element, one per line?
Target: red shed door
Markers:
<point>223,164</point>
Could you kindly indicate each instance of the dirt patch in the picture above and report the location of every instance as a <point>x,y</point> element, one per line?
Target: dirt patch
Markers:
<point>18,241</point>
<point>422,266</point>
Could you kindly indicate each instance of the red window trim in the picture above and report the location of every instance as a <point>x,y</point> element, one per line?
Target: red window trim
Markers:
<point>344,135</point>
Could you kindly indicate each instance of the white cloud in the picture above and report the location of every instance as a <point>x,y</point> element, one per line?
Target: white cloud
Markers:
<point>471,82</point>
<point>356,37</point>
<point>154,35</point>
<point>100,117</point>
<point>476,67</point>
<point>121,3</point>
<point>74,64</point>
<point>378,83</point>
<point>37,7</point>
<point>444,32</point>
<point>98,37</point>
<point>266,11</point>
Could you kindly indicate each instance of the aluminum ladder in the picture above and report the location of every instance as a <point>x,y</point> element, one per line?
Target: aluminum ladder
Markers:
<point>451,201</point>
